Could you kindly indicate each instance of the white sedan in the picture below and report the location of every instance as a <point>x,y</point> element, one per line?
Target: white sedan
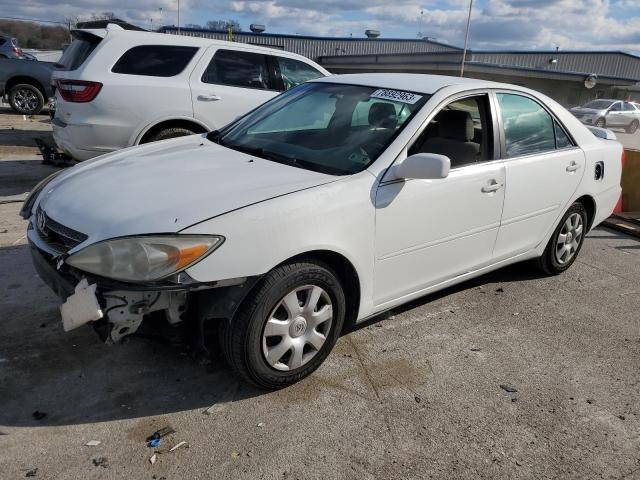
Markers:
<point>337,200</point>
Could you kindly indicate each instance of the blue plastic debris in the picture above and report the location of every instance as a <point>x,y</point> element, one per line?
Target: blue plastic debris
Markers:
<point>155,443</point>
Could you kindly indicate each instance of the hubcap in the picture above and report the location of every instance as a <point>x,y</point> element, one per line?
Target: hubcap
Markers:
<point>26,100</point>
<point>569,238</point>
<point>297,328</point>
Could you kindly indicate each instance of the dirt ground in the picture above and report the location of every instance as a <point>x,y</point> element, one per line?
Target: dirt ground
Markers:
<point>413,394</point>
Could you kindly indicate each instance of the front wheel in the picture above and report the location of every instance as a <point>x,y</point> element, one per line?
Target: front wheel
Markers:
<point>566,241</point>
<point>288,326</point>
<point>600,123</point>
<point>633,126</point>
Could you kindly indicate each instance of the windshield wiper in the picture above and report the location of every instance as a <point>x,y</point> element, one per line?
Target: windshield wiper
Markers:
<point>267,155</point>
<point>215,136</point>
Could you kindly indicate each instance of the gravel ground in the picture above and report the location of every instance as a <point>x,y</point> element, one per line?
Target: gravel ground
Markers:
<point>415,393</point>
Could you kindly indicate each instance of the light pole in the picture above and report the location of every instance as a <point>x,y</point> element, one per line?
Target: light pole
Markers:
<point>466,39</point>
<point>178,17</point>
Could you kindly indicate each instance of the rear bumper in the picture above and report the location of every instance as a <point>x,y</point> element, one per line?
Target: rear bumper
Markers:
<point>76,141</point>
<point>605,203</point>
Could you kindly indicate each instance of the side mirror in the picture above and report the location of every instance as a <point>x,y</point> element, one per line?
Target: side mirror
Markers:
<point>425,166</point>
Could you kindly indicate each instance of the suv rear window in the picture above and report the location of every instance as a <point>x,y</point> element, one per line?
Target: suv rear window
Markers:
<point>155,60</point>
<point>79,50</point>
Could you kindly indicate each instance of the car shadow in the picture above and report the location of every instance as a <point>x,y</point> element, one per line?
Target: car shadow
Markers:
<point>74,378</point>
<point>20,176</point>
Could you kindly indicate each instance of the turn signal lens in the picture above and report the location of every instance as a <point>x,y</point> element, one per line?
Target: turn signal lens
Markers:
<point>143,259</point>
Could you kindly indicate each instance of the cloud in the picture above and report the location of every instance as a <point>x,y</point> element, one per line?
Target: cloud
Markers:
<point>513,24</point>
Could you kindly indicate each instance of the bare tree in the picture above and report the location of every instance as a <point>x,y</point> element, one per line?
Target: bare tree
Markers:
<point>224,25</point>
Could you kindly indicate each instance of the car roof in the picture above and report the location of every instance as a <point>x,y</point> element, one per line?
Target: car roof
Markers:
<point>144,37</point>
<point>413,82</point>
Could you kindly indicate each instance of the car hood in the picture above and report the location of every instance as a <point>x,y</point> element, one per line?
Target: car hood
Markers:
<point>165,187</point>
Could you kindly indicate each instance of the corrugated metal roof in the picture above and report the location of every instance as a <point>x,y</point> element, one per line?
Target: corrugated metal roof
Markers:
<point>314,47</point>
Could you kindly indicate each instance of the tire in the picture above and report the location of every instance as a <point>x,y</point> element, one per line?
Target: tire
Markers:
<point>167,133</point>
<point>26,99</point>
<point>633,126</point>
<point>246,341</point>
<point>600,123</point>
<point>556,259</point>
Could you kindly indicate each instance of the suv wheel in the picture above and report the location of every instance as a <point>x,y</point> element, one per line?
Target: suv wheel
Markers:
<point>26,99</point>
<point>167,133</point>
<point>288,326</point>
<point>566,241</point>
<point>633,126</point>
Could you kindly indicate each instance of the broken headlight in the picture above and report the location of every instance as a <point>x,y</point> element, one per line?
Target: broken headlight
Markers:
<point>145,258</point>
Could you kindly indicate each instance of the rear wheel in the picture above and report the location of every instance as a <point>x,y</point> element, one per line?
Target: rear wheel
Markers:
<point>167,133</point>
<point>633,126</point>
<point>566,241</point>
<point>26,99</point>
<point>288,326</point>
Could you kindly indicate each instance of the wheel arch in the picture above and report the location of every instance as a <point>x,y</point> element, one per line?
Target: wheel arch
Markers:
<point>190,123</point>
<point>589,205</point>
<point>17,80</point>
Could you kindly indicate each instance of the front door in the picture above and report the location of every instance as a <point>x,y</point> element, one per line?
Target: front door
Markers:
<point>429,231</point>
<point>229,83</point>
<point>543,170</point>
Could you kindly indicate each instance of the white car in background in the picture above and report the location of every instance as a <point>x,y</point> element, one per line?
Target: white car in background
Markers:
<point>337,200</point>
<point>116,88</point>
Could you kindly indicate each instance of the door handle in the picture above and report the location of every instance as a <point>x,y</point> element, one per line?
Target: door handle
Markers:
<point>493,186</point>
<point>572,167</point>
<point>210,97</point>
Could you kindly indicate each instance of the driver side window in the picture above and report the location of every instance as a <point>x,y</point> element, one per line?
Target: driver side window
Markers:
<point>461,131</point>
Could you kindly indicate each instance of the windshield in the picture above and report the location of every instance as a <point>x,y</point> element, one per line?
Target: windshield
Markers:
<point>331,128</point>
<point>599,104</point>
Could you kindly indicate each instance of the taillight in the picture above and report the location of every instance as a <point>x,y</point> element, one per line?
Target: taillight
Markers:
<point>79,91</point>
<point>18,51</point>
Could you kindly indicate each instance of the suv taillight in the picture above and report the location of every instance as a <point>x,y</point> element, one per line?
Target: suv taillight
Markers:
<point>17,51</point>
<point>79,91</point>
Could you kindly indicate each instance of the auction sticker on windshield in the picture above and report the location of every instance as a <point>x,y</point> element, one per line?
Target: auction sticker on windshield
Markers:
<point>396,95</point>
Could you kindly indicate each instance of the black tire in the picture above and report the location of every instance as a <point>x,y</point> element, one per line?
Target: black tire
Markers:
<point>168,133</point>
<point>242,337</point>
<point>632,127</point>
<point>549,262</point>
<point>26,99</point>
<point>601,123</point>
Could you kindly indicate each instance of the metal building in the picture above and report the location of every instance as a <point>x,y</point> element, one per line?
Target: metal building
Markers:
<point>315,47</point>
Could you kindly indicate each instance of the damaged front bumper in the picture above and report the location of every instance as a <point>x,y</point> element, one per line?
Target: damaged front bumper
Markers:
<point>117,309</point>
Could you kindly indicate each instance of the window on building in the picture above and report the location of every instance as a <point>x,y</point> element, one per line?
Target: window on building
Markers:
<point>154,60</point>
<point>238,69</point>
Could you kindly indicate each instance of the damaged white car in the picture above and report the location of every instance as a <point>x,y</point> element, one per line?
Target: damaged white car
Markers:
<point>329,204</point>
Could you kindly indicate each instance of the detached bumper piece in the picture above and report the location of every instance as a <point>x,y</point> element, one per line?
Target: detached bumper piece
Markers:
<point>51,155</point>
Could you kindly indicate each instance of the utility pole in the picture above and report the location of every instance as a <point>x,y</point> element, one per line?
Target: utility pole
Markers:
<point>178,17</point>
<point>466,39</point>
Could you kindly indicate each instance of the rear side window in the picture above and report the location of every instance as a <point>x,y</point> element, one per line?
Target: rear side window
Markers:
<point>79,50</point>
<point>295,72</point>
<point>627,107</point>
<point>238,69</point>
<point>155,60</point>
<point>528,128</point>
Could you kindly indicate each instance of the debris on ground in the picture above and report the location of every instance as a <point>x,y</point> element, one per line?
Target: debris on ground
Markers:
<point>155,443</point>
<point>175,447</point>
<point>32,473</point>
<point>417,399</point>
<point>153,458</point>
<point>500,290</point>
<point>100,462</point>
<point>38,415</point>
<point>260,425</point>
<point>93,443</point>
<point>163,432</point>
<point>215,408</point>
<point>515,314</point>
<point>235,454</point>
<point>475,349</point>
<point>508,388</point>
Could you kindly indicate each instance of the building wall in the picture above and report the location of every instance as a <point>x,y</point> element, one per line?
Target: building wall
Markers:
<point>314,47</point>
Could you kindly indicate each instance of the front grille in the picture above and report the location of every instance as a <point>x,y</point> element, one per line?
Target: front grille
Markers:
<point>56,235</point>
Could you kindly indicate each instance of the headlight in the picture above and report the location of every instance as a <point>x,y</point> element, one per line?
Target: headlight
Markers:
<point>27,206</point>
<point>140,259</point>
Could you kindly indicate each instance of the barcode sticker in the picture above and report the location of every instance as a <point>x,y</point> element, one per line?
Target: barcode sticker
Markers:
<point>396,95</point>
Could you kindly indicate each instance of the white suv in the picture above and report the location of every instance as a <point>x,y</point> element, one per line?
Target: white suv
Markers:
<point>116,88</point>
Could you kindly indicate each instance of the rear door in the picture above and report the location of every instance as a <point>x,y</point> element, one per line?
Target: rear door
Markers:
<point>227,83</point>
<point>543,169</point>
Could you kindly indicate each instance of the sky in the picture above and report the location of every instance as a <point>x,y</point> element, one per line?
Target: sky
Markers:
<point>495,24</point>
